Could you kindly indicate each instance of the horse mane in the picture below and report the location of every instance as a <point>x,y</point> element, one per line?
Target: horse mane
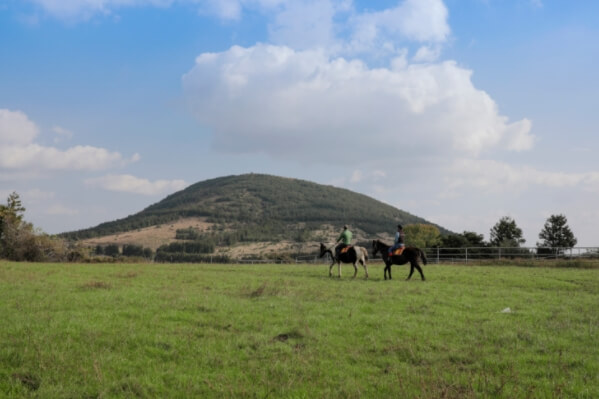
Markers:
<point>324,250</point>
<point>380,243</point>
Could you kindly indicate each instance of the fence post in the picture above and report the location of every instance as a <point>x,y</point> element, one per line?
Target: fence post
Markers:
<point>466,255</point>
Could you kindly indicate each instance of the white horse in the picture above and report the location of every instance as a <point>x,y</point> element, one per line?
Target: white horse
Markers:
<point>353,255</point>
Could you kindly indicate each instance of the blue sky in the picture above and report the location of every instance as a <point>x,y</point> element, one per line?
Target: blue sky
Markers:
<point>459,111</point>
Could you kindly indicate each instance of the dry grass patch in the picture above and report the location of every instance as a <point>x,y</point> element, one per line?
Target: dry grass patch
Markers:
<point>95,285</point>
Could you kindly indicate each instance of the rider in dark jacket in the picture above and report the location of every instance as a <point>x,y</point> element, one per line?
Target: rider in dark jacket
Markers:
<point>399,240</point>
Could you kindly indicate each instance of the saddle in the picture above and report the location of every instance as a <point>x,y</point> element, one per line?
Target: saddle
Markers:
<point>344,250</point>
<point>396,252</point>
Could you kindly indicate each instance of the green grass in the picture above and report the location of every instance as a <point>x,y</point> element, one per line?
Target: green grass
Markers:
<point>102,331</point>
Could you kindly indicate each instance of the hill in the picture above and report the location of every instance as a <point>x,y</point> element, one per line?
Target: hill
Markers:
<point>253,208</point>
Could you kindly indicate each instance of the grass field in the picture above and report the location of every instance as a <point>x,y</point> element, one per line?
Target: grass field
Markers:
<point>101,331</point>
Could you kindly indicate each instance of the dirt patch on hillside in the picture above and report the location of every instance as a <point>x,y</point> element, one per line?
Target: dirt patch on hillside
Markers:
<point>267,249</point>
<point>155,236</point>
<point>151,237</point>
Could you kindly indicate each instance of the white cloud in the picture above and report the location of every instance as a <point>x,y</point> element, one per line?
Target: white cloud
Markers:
<point>304,104</point>
<point>356,176</point>
<point>60,210</point>
<point>225,9</point>
<point>35,156</point>
<point>301,24</point>
<point>62,134</point>
<point>85,9</point>
<point>359,176</point>
<point>427,54</point>
<point>497,177</point>
<point>20,155</point>
<point>16,128</point>
<point>135,185</point>
<point>415,20</point>
<point>304,24</point>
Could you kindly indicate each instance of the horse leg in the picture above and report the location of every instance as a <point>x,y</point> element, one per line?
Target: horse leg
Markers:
<point>411,270</point>
<point>331,269</point>
<point>365,268</point>
<point>355,269</point>
<point>420,270</point>
<point>339,268</point>
<point>389,269</point>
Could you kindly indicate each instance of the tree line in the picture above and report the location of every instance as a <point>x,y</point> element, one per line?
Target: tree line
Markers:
<point>20,241</point>
<point>505,233</point>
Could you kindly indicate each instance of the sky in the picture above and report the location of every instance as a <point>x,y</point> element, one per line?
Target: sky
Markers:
<point>458,111</point>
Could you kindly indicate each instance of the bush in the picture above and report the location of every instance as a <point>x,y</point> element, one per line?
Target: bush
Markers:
<point>112,250</point>
<point>133,250</point>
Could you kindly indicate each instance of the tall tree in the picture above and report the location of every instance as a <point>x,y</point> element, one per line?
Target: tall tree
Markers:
<point>11,216</point>
<point>13,211</point>
<point>466,239</point>
<point>557,233</point>
<point>422,235</point>
<point>506,233</point>
<point>20,241</point>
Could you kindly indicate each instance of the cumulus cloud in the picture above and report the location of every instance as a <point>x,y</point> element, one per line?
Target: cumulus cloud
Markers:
<point>493,176</point>
<point>16,128</point>
<point>19,153</point>
<point>303,104</point>
<point>135,185</point>
<point>414,20</point>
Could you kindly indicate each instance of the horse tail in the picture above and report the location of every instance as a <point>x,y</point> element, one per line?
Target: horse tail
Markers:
<point>423,256</point>
<point>365,252</point>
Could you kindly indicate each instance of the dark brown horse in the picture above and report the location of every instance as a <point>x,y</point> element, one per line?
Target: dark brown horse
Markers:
<point>410,254</point>
<point>354,255</point>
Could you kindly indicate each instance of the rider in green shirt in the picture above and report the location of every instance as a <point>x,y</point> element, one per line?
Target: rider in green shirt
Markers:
<point>345,238</point>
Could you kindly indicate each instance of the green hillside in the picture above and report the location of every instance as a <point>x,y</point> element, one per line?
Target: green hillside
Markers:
<point>263,207</point>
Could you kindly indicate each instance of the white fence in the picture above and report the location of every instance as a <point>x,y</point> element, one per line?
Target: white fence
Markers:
<point>465,255</point>
<point>470,254</point>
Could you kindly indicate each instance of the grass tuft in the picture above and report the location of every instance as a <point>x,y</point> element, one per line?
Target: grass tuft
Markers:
<point>30,381</point>
<point>95,285</point>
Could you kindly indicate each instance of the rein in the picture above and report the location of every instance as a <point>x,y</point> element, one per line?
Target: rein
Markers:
<point>380,247</point>
<point>329,251</point>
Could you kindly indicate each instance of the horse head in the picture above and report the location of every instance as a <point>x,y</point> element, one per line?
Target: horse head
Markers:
<point>375,247</point>
<point>323,249</point>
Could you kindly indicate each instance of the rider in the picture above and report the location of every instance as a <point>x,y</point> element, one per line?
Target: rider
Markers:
<point>399,240</point>
<point>345,238</point>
